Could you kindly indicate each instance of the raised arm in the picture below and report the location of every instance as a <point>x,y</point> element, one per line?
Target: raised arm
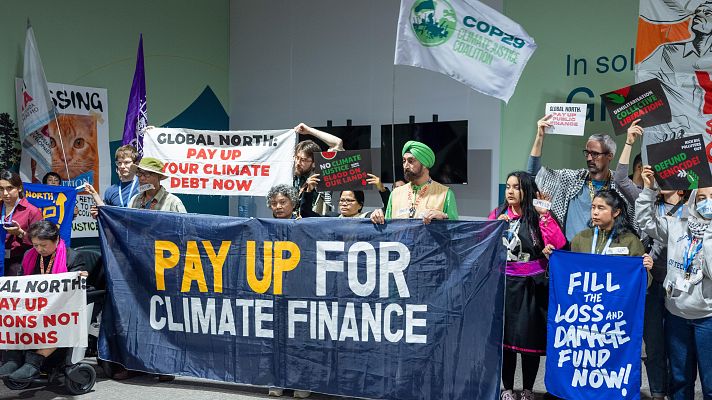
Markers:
<point>623,183</point>
<point>334,143</point>
<point>534,162</point>
<point>648,220</point>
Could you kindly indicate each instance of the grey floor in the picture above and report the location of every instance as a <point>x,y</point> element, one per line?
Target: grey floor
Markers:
<point>148,388</point>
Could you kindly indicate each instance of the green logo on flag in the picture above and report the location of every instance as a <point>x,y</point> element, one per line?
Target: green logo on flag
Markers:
<point>433,21</point>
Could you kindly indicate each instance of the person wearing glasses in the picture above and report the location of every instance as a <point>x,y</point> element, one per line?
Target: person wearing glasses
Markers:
<point>421,197</point>
<point>153,196</point>
<point>119,194</point>
<point>572,190</point>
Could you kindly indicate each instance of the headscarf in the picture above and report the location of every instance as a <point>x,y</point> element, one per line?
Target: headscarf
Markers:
<point>421,152</point>
<point>695,223</point>
<point>60,260</point>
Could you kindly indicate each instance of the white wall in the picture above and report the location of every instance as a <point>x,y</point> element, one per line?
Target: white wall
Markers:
<point>316,60</point>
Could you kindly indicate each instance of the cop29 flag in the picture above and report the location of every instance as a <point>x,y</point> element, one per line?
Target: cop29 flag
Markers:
<point>465,40</point>
<point>595,326</point>
<point>340,307</point>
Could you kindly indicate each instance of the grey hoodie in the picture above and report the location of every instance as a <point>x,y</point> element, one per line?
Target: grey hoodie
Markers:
<point>697,303</point>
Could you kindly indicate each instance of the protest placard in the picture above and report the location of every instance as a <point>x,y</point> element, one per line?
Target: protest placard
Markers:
<point>566,118</point>
<point>223,163</point>
<point>343,170</point>
<point>680,164</point>
<point>56,203</point>
<point>595,326</point>
<point>645,101</point>
<point>43,311</point>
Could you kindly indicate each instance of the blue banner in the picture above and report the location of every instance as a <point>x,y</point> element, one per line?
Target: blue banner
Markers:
<point>595,326</point>
<point>338,306</point>
<point>56,203</point>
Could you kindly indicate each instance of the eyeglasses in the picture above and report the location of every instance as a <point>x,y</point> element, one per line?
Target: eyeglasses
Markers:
<point>347,201</point>
<point>594,154</point>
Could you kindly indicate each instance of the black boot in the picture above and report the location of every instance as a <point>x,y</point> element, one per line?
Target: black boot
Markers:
<point>13,360</point>
<point>30,369</point>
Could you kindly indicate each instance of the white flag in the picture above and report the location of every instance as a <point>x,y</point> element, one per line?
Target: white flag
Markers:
<point>36,107</point>
<point>466,40</point>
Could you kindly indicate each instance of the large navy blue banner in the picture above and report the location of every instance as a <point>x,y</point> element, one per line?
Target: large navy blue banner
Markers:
<point>339,306</point>
<point>595,326</point>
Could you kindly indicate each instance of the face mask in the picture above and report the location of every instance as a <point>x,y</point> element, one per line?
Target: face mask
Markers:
<point>145,187</point>
<point>705,208</point>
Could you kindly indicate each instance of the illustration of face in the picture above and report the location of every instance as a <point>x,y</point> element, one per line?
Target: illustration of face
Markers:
<point>702,19</point>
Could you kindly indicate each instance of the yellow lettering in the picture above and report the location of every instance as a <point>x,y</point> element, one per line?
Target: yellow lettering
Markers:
<point>217,260</point>
<point>282,265</point>
<point>259,285</point>
<point>193,271</point>
<point>163,263</point>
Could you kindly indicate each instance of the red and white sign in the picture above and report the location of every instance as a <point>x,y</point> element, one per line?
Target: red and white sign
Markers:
<point>223,163</point>
<point>566,118</point>
<point>43,311</point>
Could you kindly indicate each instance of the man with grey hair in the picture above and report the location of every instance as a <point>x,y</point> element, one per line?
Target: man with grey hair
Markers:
<point>572,190</point>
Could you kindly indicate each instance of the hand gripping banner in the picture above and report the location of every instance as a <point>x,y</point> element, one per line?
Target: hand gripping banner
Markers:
<point>401,311</point>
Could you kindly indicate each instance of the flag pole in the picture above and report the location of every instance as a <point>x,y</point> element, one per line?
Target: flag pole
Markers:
<point>393,127</point>
<point>61,143</point>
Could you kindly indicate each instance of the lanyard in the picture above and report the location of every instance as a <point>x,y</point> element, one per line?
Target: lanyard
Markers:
<point>414,198</point>
<point>595,241</point>
<point>131,189</point>
<point>513,229</point>
<point>9,217</point>
<point>690,254</point>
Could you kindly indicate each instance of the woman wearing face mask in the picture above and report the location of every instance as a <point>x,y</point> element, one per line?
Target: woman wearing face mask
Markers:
<point>687,284</point>
<point>530,231</point>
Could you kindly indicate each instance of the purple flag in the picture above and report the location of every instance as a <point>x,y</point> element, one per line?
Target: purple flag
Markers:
<point>136,116</point>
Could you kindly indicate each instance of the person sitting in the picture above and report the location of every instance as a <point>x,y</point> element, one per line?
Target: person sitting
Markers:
<point>49,255</point>
<point>52,178</point>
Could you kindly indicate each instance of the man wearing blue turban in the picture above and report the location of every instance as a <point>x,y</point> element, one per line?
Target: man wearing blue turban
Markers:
<point>421,197</point>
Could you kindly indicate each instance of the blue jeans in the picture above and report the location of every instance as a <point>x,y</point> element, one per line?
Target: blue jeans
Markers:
<point>689,347</point>
<point>654,336</point>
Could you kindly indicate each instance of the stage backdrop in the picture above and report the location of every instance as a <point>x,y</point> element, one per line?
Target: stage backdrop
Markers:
<point>401,311</point>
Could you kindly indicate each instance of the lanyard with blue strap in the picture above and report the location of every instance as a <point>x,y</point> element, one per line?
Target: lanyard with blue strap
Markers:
<point>677,207</point>
<point>131,192</point>
<point>8,219</point>
<point>694,246</point>
<point>595,241</point>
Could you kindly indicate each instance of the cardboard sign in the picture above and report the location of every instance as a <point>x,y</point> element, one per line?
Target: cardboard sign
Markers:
<point>645,101</point>
<point>566,118</point>
<point>680,164</point>
<point>343,170</point>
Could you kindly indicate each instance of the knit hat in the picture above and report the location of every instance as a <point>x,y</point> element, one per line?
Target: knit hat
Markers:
<point>421,152</point>
<point>154,165</point>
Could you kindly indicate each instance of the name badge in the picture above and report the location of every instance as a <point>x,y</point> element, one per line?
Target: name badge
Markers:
<point>683,285</point>
<point>7,253</point>
<point>617,251</point>
<point>403,211</point>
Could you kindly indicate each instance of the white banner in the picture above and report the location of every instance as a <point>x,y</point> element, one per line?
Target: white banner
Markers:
<point>227,163</point>
<point>83,121</point>
<point>43,311</point>
<point>566,118</point>
<point>466,40</point>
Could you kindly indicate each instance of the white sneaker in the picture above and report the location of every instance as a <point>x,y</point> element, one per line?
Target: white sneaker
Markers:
<point>507,395</point>
<point>526,395</point>
<point>301,394</point>
<point>276,392</point>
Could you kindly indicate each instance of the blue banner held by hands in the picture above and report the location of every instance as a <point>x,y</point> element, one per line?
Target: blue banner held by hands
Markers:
<point>56,203</point>
<point>595,326</point>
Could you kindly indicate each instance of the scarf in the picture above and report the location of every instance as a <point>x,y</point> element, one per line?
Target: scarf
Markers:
<point>60,260</point>
<point>697,226</point>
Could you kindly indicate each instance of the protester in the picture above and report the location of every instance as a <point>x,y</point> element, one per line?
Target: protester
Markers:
<point>304,164</point>
<point>688,299</point>
<point>152,195</point>
<point>527,291</point>
<point>52,178</point>
<point>283,200</point>
<point>119,194</point>
<point>48,255</point>
<point>670,203</point>
<point>572,190</point>
<point>17,216</point>
<point>350,202</point>
<point>421,197</point>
